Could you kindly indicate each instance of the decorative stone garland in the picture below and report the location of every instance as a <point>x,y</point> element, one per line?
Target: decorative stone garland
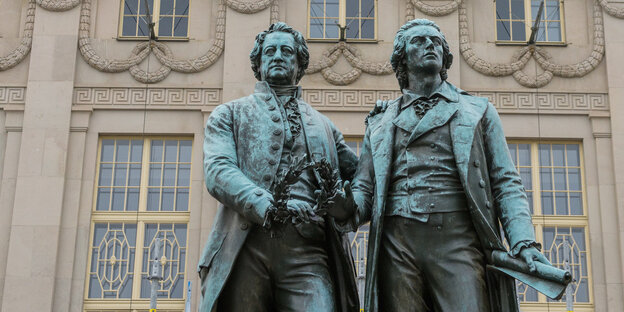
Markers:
<point>249,6</point>
<point>435,10</point>
<point>353,56</point>
<point>142,50</point>
<point>19,54</point>
<point>58,5</point>
<point>611,9</point>
<point>541,56</point>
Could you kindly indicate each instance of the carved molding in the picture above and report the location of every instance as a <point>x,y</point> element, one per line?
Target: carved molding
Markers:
<point>431,10</point>
<point>611,9</point>
<point>161,50</point>
<point>354,57</point>
<point>58,5</point>
<point>541,56</point>
<point>12,95</point>
<point>357,100</point>
<point>549,101</point>
<point>20,53</point>
<point>177,98</point>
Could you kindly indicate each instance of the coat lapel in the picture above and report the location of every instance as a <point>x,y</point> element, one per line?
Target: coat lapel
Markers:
<point>382,139</point>
<point>463,128</point>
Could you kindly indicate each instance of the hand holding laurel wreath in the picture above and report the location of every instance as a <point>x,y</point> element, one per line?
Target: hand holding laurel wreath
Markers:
<point>285,210</point>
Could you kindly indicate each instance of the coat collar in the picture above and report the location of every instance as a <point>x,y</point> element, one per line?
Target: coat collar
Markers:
<point>444,90</point>
<point>436,117</point>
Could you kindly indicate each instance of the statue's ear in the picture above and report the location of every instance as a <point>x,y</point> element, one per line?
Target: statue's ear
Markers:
<point>449,60</point>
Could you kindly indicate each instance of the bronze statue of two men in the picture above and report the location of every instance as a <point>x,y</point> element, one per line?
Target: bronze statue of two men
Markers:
<point>434,179</point>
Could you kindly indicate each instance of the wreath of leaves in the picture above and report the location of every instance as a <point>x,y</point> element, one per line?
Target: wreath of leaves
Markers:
<point>329,183</point>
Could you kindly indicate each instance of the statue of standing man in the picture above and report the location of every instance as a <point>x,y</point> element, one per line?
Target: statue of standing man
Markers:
<point>303,265</point>
<point>436,181</point>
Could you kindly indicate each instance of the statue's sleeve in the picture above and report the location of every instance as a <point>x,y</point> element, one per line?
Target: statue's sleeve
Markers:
<point>363,183</point>
<point>506,186</point>
<point>224,179</point>
<point>347,160</point>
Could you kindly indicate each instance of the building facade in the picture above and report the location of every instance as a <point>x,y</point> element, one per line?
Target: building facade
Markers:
<point>101,130</point>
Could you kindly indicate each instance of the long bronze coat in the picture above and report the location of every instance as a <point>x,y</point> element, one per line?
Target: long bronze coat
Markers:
<point>242,149</point>
<point>492,185</point>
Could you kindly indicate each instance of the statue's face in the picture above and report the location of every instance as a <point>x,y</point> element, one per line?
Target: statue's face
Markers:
<point>278,64</point>
<point>423,49</point>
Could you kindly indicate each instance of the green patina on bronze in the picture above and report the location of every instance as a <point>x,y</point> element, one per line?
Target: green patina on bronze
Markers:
<point>306,266</point>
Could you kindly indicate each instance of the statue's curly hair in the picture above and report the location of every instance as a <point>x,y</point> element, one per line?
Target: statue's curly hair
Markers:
<point>303,55</point>
<point>396,60</point>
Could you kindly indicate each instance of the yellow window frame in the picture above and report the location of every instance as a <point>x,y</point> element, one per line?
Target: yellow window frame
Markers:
<point>528,23</point>
<point>540,221</point>
<point>342,19</point>
<point>140,218</point>
<point>155,18</point>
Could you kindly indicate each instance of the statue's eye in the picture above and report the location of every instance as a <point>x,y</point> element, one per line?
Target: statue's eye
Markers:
<point>269,51</point>
<point>288,51</point>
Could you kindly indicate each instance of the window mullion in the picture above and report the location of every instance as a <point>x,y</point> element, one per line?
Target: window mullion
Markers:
<point>138,260</point>
<point>537,187</point>
<point>144,175</point>
<point>528,19</point>
<point>156,16</point>
<point>342,13</point>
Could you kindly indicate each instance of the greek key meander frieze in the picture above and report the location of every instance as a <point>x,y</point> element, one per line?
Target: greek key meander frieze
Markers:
<point>182,98</point>
<point>12,95</point>
<point>321,99</point>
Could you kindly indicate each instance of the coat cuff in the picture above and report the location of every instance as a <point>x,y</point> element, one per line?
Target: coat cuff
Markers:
<point>256,211</point>
<point>515,251</point>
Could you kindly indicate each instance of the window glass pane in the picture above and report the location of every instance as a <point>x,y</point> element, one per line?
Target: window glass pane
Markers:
<point>135,175</point>
<point>155,174</point>
<point>576,204</point>
<point>541,33</point>
<point>131,7</point>
<point>153,199</point>
<point>150,3</point>
<point>136,153</point>
<point>573,155</point>
<point>106,174</point>
<point>129,26</point>
<point>525,175</point>
<point>530,200</point>
<point>331,8</point>
<point>331,28</point>
<point>156,152</point>
<point>171,151</point>
<point>122,150</point>
<point>316,8</point>
<point>558,153</point>
<point>551,10</point>
<point>561,200</point>
<point>513,151</point>
<point>120,174</point>
<point>180,28</point>
<point>545,179</point>
<point>560,179</point>
<point>554,31</point>
<point>119,198</point>
<point>535,4</point>
<point>524,151</point>
<point>184,175</point>
<point>518,31</point>
<point>544,154</point>
<point>555,241</point>
<point>169,175</point>
<point>165,26</point>
<point>503,30</point>
<point>182,7</point>
<point>574,178</point>
<point>182,200</point>
<point>368,29</point>
<point>108,148</point>
<point>547,203</point>
<point>185,150</point>
<point>167,199</point>
<point>353,8</point>
<point>143,29</point>
<point>502,9</point>
<point>316,28</point>
<point>353,28</point>
<point>103,199</point>
<point>526,293</point>
<point>517,9</point>
<point>166,7</point>
<point>132,200</point>
<point>368,8</point>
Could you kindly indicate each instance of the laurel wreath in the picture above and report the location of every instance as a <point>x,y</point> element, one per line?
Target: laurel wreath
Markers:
<point>329,183</point>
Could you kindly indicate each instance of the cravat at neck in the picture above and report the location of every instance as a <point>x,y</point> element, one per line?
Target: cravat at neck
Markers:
<point>287,90</point>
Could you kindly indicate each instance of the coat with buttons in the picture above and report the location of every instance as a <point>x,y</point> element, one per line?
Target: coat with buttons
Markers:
<point>492,185</point>
<point>242,148</point>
